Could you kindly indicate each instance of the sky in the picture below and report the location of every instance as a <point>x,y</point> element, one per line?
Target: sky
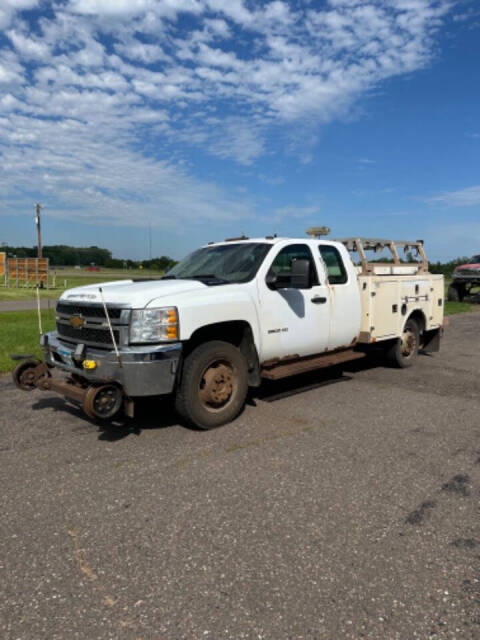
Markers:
<point>195,120</point>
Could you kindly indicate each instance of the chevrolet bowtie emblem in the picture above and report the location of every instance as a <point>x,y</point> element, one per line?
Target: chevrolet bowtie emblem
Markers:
<point>76,322</point>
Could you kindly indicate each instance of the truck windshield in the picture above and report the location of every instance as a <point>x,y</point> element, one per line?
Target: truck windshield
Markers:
<point>222,264</point>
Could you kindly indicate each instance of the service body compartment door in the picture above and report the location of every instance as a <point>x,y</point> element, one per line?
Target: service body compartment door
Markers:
<point>386,315</point>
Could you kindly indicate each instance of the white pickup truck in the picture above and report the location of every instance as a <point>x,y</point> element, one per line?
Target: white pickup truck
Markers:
<point>230,314</point>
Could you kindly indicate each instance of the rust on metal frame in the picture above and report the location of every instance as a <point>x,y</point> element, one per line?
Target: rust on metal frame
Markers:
<point>361,245</point>
<point>284,369</point>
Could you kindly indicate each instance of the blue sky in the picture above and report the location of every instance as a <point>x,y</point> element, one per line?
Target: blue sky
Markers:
<point>204,119</point>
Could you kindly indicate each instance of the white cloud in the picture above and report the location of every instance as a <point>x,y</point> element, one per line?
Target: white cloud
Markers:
<point>120,8</point>
<point>297,212</point>
<point>28,47</point>
<point>100,180</point>
<point>462,198</point>
<point>95,90</point>
<point>141,52</point>
<point>236,140</point>
<point>8,9</point>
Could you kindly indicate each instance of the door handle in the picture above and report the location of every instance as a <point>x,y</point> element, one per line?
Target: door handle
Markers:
<point>319,300</point>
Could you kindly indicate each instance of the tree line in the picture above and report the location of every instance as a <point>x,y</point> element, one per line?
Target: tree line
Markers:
<point>66,256</point>
<point>446,268</point>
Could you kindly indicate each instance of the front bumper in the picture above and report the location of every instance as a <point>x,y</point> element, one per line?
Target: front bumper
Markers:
<point>148,370</point>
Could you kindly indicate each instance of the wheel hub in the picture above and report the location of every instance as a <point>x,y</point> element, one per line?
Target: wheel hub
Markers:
<point>102,402</point>
<point>216,386</point>
<point>105,401</point>
<point>27,377</point>
<point>408,343</point>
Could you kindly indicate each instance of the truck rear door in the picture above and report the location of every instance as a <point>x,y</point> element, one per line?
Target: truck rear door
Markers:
<point>344,295</point>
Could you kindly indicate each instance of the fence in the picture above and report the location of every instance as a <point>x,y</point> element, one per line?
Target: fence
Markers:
<point>27,271</point>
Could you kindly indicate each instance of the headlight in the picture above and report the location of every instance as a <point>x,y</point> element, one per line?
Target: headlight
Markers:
<point>154,325</point>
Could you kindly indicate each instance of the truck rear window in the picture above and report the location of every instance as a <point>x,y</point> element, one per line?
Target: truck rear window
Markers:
<point>332,259</point>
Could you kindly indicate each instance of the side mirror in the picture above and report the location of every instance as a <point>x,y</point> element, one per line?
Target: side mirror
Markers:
<point>300,278</point>
<point>271,280</point>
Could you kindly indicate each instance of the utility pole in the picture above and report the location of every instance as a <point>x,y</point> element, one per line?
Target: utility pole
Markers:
<point>150,240</point>
<point>38,208</point>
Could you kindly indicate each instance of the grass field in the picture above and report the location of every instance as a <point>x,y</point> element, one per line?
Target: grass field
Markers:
<point>69,278</point>
<point>19,331</point>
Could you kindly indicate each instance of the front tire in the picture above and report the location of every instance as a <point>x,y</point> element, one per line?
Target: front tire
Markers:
<point>404,351</point>
<point>213,386</point>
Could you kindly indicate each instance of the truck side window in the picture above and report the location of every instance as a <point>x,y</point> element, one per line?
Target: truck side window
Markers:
<point>282,265</point>
<point>335,268</point>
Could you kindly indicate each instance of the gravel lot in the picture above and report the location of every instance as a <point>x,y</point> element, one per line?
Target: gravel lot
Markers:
<point>349,510</point>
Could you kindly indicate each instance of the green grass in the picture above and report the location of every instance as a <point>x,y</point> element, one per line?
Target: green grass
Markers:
<point>67,279</point>
<point>452,308</point>
<point>19,334</point>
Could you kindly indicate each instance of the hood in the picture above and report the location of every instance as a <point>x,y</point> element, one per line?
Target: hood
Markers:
<point>473,267</point>
<point>134,294</point>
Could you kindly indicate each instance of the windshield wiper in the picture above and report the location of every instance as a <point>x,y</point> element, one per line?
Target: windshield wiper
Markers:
<point>209,276</point>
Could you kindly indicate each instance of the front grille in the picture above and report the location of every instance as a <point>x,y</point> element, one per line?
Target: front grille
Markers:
<point>87,334</point>
<point>88,311</point>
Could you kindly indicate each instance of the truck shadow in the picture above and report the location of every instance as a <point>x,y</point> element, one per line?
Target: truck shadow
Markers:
<point>159,412</point>
<point>151,413</point>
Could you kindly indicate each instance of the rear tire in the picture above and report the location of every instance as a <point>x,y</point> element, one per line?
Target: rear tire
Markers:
<point>213,386</point>
<point>404,351</point>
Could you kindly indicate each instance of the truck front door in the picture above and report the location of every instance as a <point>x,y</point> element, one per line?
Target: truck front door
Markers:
<point>292,321</point>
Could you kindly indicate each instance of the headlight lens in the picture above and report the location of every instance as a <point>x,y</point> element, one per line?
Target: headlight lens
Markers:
<point>154,325</point>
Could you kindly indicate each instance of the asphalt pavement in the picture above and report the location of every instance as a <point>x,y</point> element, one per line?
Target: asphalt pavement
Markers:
<point>335,506</point>
<point>26,305</point>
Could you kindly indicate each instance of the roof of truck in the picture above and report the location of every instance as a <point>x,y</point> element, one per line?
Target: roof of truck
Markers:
<point>266,240</point>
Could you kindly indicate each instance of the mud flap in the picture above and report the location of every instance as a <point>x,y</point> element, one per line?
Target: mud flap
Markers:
<point>431,340</point>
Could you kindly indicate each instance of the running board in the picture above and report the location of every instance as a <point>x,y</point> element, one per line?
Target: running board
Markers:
<point>284,369</point>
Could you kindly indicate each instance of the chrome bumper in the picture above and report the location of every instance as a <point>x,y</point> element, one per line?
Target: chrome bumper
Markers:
<point>148,370</point>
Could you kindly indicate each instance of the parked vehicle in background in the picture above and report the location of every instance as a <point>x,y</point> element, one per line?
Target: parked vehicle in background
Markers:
<point>232,314</point>
<point>465,278</point>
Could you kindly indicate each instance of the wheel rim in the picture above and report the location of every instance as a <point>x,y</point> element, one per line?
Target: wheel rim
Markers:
<point>102,402</point>
<point>218,384</point>
<point>27,377</point>
<point>409,343</point>
<point>24,375</point>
